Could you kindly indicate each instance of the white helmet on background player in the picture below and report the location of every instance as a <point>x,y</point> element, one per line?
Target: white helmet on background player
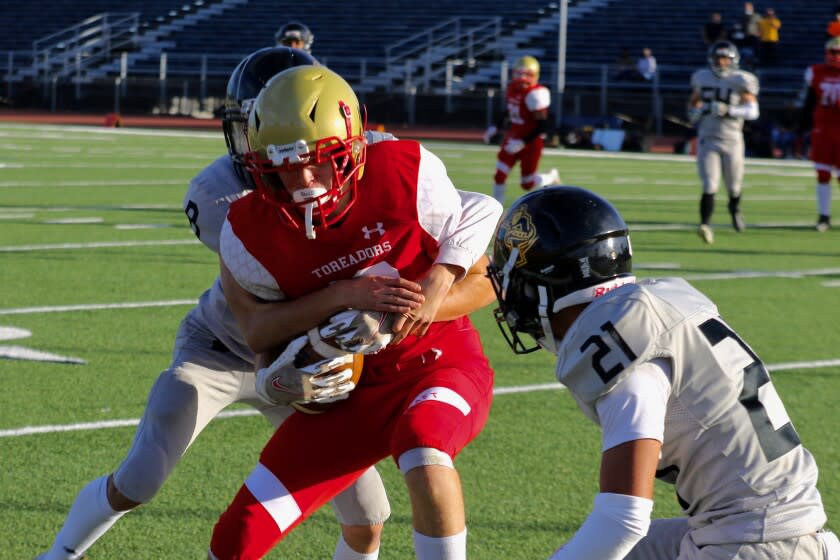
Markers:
<point>295,34</point>
<point>725,50</point>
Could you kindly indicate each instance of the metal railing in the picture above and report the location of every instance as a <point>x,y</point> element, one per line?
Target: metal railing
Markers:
<point>92,42</point>
<point>592,89</point>
<point>464,37</point>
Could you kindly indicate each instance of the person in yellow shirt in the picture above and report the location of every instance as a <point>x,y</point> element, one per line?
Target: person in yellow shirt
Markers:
<point>768,30</point>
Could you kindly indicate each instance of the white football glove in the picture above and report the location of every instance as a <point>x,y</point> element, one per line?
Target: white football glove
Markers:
<point>324,381</point>
<point>489,133</point>
<point>359,332</point>
<point>719,108</point>
<point>514,145</point>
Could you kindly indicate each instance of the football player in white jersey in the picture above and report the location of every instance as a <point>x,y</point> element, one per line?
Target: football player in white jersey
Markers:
<point>677,393</point>
<point>722,98</point>
<point>212,365</point>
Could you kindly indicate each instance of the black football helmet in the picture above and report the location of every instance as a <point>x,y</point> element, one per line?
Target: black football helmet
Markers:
<point>246,81</point>
<point>292,32</point>
<point>556,247</point>
<point>723,49</point>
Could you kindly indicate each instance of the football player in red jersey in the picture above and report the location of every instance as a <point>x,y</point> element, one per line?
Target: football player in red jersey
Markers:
<point>527,112</point>
<point>328,207</point>
<point>821,114</point>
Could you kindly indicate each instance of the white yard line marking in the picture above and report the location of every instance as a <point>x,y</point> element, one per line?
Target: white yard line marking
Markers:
<point>106,424</point>
<point>92,130</point>
<point>94,245</point>
<point>30,355</point>
<point>142,226</point>
<point>22,216</point>
<point>831,284</point>
<point>70,221</point>
<point>95,306</point>
<point>114,183</point>
<point>654,266</point>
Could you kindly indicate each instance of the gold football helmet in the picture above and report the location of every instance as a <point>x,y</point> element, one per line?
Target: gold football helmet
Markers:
<point>526,70</point>
<point>304,116</point>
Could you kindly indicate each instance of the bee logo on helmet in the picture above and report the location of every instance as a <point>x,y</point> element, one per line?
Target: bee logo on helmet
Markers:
<point>521,235</point>
<point>307,116</point>
<point>526,71</point>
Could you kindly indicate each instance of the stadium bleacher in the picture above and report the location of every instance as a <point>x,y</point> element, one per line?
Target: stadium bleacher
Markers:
<point>363,28</point>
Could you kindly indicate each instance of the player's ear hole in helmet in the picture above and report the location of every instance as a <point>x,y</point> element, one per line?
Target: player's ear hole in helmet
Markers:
<point>307,116</point>
<point>556,247</point>
<point>249,77</point>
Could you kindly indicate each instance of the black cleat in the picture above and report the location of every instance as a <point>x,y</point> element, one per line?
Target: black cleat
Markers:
<point>738,221</point>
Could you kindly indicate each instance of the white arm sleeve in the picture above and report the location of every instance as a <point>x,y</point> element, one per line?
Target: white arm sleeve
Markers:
<point>747,111</point>
<point>617,522</point>
<point>463,223</point>
<point>636,408</point>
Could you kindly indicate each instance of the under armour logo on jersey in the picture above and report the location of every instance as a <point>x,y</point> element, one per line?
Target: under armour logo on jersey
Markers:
<point>378,229</point>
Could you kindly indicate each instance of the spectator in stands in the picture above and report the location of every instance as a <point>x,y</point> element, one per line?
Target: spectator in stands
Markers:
<point>714,29</point>
<point>646,65</point>
<point>749,22</point>
<point>833,29</point>
<point>768,28</point>
<point>625,67</point>
<point>743,41</point>
<point>295,35</point>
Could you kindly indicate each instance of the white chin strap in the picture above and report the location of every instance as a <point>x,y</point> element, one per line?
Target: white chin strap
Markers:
<point>303,195</point>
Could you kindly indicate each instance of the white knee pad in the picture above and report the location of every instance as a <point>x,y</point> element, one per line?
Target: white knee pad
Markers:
<point>423,457</point>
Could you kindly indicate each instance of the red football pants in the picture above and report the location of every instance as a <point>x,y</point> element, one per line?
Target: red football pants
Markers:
<point>441,403</point>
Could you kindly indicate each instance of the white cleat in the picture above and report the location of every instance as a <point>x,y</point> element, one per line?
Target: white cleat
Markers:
<point>706,234</point>
<point>554,177</point>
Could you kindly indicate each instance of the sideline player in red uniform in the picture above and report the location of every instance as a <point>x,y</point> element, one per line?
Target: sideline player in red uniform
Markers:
<point>821,114</point>
<point>328,207</point>
<point>527,111</point>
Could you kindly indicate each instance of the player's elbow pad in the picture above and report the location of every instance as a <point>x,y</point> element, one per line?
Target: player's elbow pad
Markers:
<point>747,111</point>
<point>617,522</point>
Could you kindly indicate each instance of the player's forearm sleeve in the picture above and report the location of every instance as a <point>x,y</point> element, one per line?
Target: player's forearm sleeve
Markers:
<point>617,522</point>
<point>747,111</point>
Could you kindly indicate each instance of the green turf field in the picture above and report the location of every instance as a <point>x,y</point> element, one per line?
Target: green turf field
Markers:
<point>92,218</point>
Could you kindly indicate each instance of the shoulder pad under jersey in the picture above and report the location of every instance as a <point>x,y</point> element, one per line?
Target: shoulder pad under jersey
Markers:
<point>208,197</point>
<point>621,330</point>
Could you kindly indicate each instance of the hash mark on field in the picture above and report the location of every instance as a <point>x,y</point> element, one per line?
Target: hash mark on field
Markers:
<point>106,424</point>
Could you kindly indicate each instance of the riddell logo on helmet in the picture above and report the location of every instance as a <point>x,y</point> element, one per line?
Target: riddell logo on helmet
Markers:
<point>604,289</point>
